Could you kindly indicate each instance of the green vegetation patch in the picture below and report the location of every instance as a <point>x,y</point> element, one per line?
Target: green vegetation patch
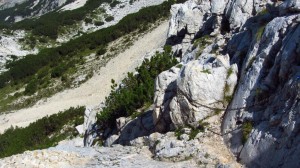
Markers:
<point>260,32</point>
<point>263,12</point>
<point>249,65</point>
<point>194,130</point>
<point>136,91</point>
<point>43,133</point>
<point>109,18</point>
<point>201,42</point>
<point>246,130</point>
<point>226,97</point>
<point>178,132</point>
<point>229,72</point>
<point>207,71</point>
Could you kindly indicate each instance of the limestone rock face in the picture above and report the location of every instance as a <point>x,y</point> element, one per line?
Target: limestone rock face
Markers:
<point>165,86</point>
<point>291,6</point>
<point>262,40</point>
<point>186,20</point>
<point>168,148</point>
<point>165,90</point>
<point>218,6</point>
<point>203,83</point>
<point>71,156</point>
<point>9,3</point>
<point>111,140</point>
<point>130,131</point>
<point>196,17</point>
<point>201,86</point>
<point>185,16</point>
<point>198,85</point>
<point>182,146</point>
<point>89,126</point>
<point>238,11</point>
<point>269,87</point>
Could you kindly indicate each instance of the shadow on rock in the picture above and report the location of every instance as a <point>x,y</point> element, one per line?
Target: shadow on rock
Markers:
<point>131,129</point>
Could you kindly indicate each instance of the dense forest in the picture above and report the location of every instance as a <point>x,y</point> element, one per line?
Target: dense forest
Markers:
<point>135,91</point>
<point>43,133</point>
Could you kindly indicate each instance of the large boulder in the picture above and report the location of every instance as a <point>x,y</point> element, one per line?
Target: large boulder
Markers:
<point>238,12</point>
<point>165,90</point>
<point>185,16</point>
<point>202,88</point>
<point>186,21</point>
<point>133,128</point>
<point>195,92</point>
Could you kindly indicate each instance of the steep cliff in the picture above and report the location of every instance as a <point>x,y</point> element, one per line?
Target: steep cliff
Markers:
<point>269,88</point>
<point>260,40</point>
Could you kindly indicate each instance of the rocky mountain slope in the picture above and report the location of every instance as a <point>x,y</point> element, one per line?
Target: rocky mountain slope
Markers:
<point>9,3</point>
<point>13,43</point>
<point>237,84</point>
<point>17,10</point>
<point>89,94</point>
<point>259,40</point>
<point>73,154</point>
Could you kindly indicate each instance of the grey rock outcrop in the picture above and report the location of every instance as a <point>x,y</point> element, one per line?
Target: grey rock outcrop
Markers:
<point>165,90</point>
<point>270,67</point>
<point>183,17</point>
<point>263,43</point>
<point>258,55</point>
<point>290,6</point>
<point>201,86</point>
<point>238,11</point>
<point>68,155</point>
<point>111,140</point>
<point>256,60</point>
<point>168,148</point>
<point>198,85</point>
<point>218,6</point>
<point>186,20</point>
<point>89,126</point>
<point>193,18</point>
<point>131,131</point>
<point>182,146</point>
